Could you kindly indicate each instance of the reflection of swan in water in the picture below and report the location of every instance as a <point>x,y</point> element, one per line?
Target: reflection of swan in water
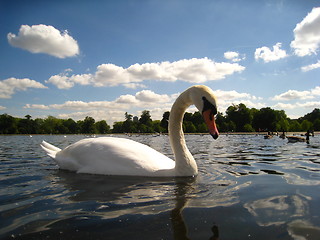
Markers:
<point>119,156</point>
<point>116,190</point>
<point>117,196</point>
<point>179,226</point>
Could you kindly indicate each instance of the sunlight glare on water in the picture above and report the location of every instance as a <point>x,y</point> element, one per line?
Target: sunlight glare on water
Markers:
<point>248,187</point>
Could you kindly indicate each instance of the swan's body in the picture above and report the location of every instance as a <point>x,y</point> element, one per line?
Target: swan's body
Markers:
<point>106,155</point>
<point>119,156</point>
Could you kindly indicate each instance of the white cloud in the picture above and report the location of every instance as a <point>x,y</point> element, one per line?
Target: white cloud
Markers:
<point>315,91</point>
<point>297,95</point>
<point>298,101</point>
<point>36,106</point>
<point>150,96</point>
<point>11,85</point>
<point>2,108</point>
<point>227,98</point>
<point>110,115</point>
<point>111,75</point>
<point>44,39</point>
<point>293,95</point>
<point>193,70</point>
<point>284,106</point>
<point>311,67</point>
<point>64,81</point>
<point>189,70</point>
<point>126,99</point>
<point>230,95</point>
<point>248,103</point>
<point>60,81</point>
<point>134,85</point>
<point>314,104</point>
<point>233,56</point>
<point>307,34</point>
<point>268,55</point>
<point>305,105</point>
<point>78,105</point>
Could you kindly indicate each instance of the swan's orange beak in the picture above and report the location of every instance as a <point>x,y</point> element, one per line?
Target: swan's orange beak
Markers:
<point>210,122</point>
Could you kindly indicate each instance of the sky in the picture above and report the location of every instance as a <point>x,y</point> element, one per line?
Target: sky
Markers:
<point>72,59</point>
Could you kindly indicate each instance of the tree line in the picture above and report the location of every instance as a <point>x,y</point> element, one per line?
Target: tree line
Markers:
<point>238,118</point>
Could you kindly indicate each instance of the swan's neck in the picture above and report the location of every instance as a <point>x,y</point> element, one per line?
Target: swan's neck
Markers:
<point>185,163</point>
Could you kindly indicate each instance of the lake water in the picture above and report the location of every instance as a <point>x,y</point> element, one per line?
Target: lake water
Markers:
<point>248,187</point>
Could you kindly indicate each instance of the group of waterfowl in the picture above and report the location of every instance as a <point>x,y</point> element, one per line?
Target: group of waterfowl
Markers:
<point>292,139</point>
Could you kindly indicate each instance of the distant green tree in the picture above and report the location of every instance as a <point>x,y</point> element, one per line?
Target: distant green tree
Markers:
<point>50,125</point>
<point>102,127</point>
<point>202,128</point>
<point>265,120</point>
<point>231,126</point>
<point>306,125</point>
<point>295,126</point>
<point>311,117</point>
<point>283,125</point>
<point>221,123</point>
<point>88,126</point>
<point>8,124</point>
<point>316,125</point>
<point>165,121</point>
<point>128,116</point>
<point>129,126</point>
<point>145,118</point>
<point>143,128</point>
<point>26,126</point>
<point>117,127</point>
<point>70,126</point>
<point>189,127</point>
<point>187,117</point>
<point>156,126</point>
<point>38,126</point>
<point>248,128</point>
<point>240,115</point>
<point>197,118</point>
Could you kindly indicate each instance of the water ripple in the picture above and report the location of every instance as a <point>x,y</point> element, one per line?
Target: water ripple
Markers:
<point>246,184</point>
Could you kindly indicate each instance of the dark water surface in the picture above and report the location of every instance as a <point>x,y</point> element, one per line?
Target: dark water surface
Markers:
<point>248,188</point>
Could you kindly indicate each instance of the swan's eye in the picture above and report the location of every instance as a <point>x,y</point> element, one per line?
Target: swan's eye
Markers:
<point>209,106</point>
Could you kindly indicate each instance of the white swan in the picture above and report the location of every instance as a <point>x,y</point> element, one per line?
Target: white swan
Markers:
<point>119,156</point>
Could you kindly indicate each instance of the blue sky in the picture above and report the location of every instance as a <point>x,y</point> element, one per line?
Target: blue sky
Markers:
<point>102,59</point>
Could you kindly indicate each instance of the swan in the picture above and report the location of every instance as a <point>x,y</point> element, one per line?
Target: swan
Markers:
<point>120,156</point>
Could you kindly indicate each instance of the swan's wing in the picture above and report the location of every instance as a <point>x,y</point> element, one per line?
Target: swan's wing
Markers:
<point>50,149</point>
<point>50,146</point>
<point>113,156</point>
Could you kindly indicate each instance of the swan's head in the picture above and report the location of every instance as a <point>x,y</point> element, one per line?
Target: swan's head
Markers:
<point>204,99</point>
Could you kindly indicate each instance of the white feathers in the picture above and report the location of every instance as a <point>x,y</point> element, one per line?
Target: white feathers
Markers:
<point>50,149</point>
<point>110,156</point>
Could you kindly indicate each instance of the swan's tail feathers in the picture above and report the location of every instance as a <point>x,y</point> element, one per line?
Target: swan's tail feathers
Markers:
<point>50,149</point>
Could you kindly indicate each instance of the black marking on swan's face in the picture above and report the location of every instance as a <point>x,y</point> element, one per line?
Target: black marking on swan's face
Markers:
<point>209,106</point>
